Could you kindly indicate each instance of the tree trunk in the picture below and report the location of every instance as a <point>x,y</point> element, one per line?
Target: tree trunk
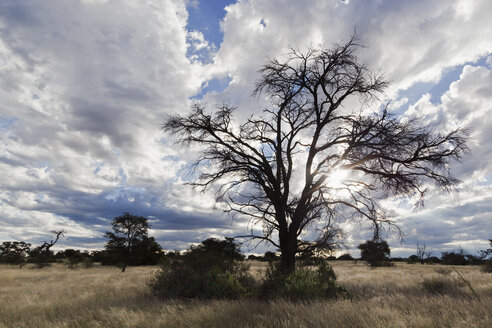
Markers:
<point>126,259</point>
<point>288,250</point>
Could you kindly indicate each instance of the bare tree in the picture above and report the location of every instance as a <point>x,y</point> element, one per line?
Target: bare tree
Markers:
<point>422,254</point>
<point>46,246</point>
<point>284,168</point>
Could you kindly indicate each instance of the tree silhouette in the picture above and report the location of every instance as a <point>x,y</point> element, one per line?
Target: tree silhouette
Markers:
<point>310,158</point>
<point>43,254</point>
<point>14,252</point>
<point>129,242</point>
<point>422,253</point>
<point>375,252</point>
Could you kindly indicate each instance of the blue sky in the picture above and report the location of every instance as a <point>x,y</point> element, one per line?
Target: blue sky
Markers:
<point>86,84</point>
<point>205,16</point>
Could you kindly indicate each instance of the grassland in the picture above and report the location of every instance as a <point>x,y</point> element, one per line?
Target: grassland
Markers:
<point>104,297</point>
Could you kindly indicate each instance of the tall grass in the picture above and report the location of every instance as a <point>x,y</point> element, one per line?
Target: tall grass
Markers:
<point>105,297</point>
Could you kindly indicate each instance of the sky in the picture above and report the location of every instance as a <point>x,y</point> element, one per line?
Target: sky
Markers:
<point>85,86</point>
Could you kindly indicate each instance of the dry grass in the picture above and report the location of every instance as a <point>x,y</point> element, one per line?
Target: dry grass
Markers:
<point>105,297</point>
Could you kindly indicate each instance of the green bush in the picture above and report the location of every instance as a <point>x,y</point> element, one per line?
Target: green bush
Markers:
<point>213,269</point>
<point>304,283</point>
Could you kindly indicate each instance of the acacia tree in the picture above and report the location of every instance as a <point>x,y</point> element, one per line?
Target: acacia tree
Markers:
<point>282,168</point>
<point>14,252</point>
<point>376,253</point>
<point>129,244</point>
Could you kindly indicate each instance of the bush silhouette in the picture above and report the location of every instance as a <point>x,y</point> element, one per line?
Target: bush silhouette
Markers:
<point>271,256</point>
<point>345,257</point>
<point>487,267</point>
<point>213,269</point>
<point>304,283</point>
<point>454,258</point>
<point>14,252</point>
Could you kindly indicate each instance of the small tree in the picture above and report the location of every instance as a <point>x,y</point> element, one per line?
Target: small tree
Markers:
<point>422,254</point>
<point>375,252</point>
<point>14,252</point>
<point>128,242</point>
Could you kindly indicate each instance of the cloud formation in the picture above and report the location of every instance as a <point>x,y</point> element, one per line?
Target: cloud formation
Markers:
<point>84,86</point>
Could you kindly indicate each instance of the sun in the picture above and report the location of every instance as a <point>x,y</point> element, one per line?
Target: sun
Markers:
<point>337,177</point>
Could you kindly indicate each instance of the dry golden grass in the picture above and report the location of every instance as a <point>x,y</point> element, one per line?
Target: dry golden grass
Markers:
<point>105,297</point>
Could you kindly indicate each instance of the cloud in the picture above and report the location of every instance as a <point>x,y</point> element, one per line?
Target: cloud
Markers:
<point>461,218</point>
<point>409,41</point>
<point>413,43</point>
<point>84,87</point>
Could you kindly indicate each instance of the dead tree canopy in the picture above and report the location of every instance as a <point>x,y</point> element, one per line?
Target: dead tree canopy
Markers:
<point>310,157</point>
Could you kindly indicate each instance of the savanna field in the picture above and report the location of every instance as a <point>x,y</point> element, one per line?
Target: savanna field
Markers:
<point>406,295</point>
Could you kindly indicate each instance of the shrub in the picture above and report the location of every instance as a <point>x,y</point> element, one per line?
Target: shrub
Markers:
<point>253,257</point>
<point>487,267</point>
<point>345,257</point>
<point>271,256</point>
<point>41,259</point>
<point>213,269</point>
<point>73,257</point>
<point>412,259</point>
<point>453,258</point>
<point>304,283</point>
<point>432,260</point>
<point>473,260</point>
<point>179,279</point>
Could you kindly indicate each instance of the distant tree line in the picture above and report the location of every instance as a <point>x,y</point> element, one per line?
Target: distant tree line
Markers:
<point>129,245</point>
<point>377,253</point>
